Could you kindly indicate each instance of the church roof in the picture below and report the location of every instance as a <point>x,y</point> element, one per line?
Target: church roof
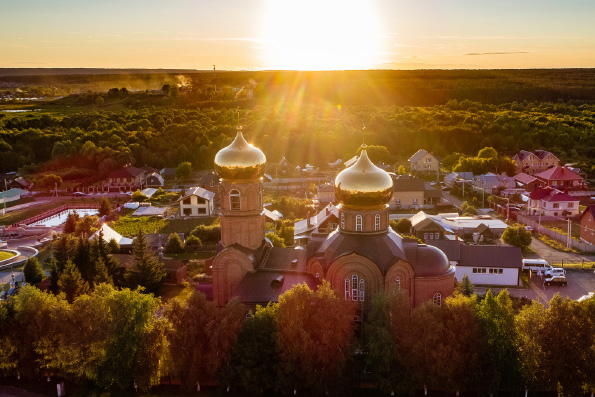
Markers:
<point>266,285</point>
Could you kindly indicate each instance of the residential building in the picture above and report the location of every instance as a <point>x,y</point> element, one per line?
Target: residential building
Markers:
<point>453,224</point>
<point>155,180</point>
<point>126,179</point>
<point>534,162</point>
<point>197,202</point>
<point>454,177</point>
<point>323,222</point>
<point>211,183</point>
<point>325,193</point>
<point>562,178</point>
<point>412,192</point>
<point>552,202</point>
<point>423,161</point>
<point>527,182</point>
<point>588,225</point>
<point>492,183</point>
<point>360,258</point>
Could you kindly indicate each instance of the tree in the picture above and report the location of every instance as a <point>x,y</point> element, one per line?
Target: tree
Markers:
<point>105,209</point>
<point>113,247</point>
<point>192,242</point>
<point>165,89</point>
<point>148,272</point>
<point>315,331</point>
<point>138,196</point>
<point>174,244</point>
<point>468,208</point>
<point>71,282</point>
<point>517,236</point>
<point>401,170</point>
<point>71,221</point>
<point>275,239</point>
<point>49,181</point>
<point>403,225</point>
<point>487,153</point>
<point>32,271</point>
<point>183,171</point>
<point>465,287</point>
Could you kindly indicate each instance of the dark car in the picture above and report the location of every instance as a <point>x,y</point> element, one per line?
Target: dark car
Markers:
<point>557,279</point>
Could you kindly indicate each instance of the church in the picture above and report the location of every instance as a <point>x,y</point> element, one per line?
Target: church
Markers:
<point>362,257</point>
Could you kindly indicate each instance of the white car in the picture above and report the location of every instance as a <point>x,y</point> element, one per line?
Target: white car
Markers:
<point>556,271</point>
<point>79,194</point>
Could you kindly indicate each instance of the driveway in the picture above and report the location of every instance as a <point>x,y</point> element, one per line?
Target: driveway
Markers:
<point>552,255</point>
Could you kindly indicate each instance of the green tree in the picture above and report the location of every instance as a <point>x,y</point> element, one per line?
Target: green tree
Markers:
<point>315,331</point>
<point>465,287</point>
<point>467,208</point>
<point>192,242</point>
<point>113,247</point>
<point>105,209</point>
<point>517,236</point>
<point>49,181</point>
<point>165,89</point>
<point>275,239</point>
<point>403,225</point>
<point>71,221</point>
<point>32,271</point>
<point>148,272</point>
<point>174,244</point>
<point>487,153</point>
<point>183,171</point>
<point>401,170</point>
<point>139,197</point>
<point>71,282</point>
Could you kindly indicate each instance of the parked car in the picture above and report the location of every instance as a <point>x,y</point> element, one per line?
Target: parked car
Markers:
<point>555,271</point>
<point>561,280</point>
<point>79,194</point>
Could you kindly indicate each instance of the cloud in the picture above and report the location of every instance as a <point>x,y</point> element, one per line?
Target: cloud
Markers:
<point>498,53</point>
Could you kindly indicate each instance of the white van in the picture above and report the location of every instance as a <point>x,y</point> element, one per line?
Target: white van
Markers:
<point>536,265</point>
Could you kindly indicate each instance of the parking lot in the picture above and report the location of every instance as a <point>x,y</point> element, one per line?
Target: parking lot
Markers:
<point>580,282</point>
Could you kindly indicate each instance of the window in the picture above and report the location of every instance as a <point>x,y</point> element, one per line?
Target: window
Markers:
<point>202,210</point>
<point>570,205</point>
<point>556,205</point>
<point>333,226</point>
<point>342,220</point>
<point>398,282</point>
<point>187,211</point>
<point>234,200</point>
<point>358,223</point>
<point>377,222</point>
<point>187,201</point>
<point>414,201</point>
<point>355,288</point>
<point>436,236</point>
<point>437,299</point>
<point>318,276</point>
<point>212,183</point>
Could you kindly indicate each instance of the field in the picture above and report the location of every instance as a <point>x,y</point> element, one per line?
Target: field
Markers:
<point>5,255</point>
<point>130,226</point>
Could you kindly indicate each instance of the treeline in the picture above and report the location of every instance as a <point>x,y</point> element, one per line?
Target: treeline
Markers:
<point>81,144</point>
<point>307,343</point>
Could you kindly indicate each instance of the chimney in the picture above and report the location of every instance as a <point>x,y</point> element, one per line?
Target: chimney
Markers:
<point>308,217</point>
<point>328,210</point>
<point>456,236</point>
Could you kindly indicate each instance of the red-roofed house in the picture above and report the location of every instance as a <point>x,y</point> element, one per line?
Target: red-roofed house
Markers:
<point>527,182</point>
<point>588,225</point>
<point>126,179</point>
<point>561,178</point>
<point>552,202</point>
<point>532,163</point>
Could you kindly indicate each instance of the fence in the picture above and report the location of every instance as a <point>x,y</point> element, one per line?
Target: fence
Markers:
<point>57,211</point>
<point>555,235</point>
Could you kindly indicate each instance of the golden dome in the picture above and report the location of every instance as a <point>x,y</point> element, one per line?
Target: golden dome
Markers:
<point>363,185</point>
<point>240,160</point>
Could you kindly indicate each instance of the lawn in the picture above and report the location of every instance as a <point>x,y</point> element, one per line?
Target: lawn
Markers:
<point>5,255</point>
<point>129,226</point>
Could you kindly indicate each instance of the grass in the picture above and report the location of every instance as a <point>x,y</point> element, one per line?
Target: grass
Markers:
<point>129,226</point>
<point>555,244</point>
<point>5,255</point>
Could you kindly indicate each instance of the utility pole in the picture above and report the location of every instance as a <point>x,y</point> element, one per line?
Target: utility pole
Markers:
<point>568,240</point>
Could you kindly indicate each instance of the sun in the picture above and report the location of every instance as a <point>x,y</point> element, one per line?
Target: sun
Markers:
<point>320,34</point>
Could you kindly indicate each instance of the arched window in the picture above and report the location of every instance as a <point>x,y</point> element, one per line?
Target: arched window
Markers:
<point>358,223</point>
<point>342,220</point>
<point>437,299</point>
<point>355,288</point>
<point>398,282</point>
<point>234,200</point>
<point>317,276</point>
<point>377,222</point>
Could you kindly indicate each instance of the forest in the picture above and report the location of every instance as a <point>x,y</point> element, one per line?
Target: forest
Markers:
<point>307,343</point>
<point>302,117</point>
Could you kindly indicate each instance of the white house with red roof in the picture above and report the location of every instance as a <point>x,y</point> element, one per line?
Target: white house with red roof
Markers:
<point>561,178</point>
<point>552,202</point>
<point>126,179</point>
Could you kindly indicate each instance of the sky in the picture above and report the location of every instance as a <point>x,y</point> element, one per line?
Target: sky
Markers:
<point>303,34</point>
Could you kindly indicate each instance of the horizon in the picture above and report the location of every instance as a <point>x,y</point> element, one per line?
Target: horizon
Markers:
<point>258,35</point>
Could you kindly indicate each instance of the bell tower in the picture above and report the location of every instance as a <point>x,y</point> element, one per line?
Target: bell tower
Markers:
<point>240,167</point>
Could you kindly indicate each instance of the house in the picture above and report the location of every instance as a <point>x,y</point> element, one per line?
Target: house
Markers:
<point>20,183</point>
<point>534,162</point>
<point>561,178</point>
<point>211,183</point>
<point>453,224</point>
<point>149,170</point>
<point>110,234</point>
<point>324,222</point>
<point>272,216</point>
<point>126,179</point>
<point>197,202</point>
<point>453,177</point>
<point>490,264</point>
<point>552,202</point>
<point>588,225</point>
<point>412,192</point>
<point>424,162</point>
<point>492,183</point>
<point>325,193</point>
<point>169,174</point>
<point>527,182</point>
<point>427,229</point>
<point>335,164</point>
<point>155,180</point>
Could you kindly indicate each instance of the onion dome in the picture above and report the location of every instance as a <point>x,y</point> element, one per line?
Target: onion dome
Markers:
<point>363,185</point>
<point>240,160</point>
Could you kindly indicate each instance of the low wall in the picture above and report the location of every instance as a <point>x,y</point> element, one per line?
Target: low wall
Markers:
<point>555,235</point>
